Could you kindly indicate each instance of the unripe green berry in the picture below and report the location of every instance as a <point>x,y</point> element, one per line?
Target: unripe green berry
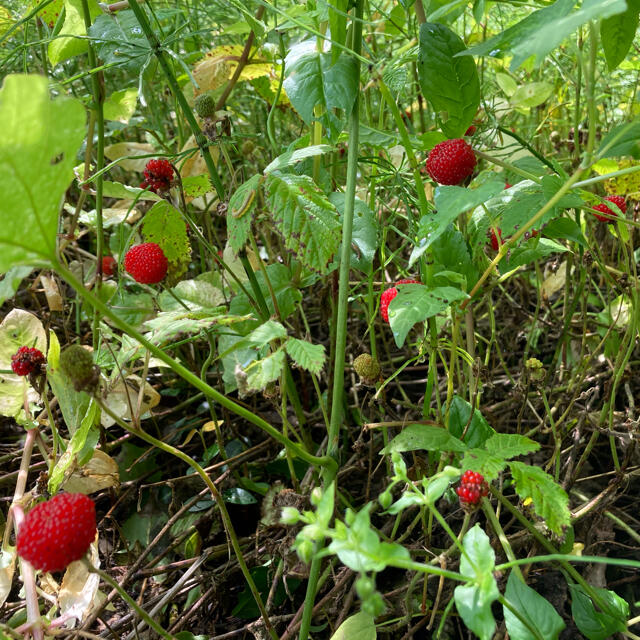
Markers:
<point>385,499</point>
<point>289,515</point>
<point>247,147</point>
<point>305,551</point>
<point>204,105</point>
<point>77,364</point>
<point>367,368</point>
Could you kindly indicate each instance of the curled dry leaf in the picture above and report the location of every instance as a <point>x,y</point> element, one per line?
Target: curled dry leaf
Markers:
<point>7,567</point>
<point>121,398</point>
<point>51,291</point>
<point>101,472</point>
<point>79,589</point>
<point>127,149</point>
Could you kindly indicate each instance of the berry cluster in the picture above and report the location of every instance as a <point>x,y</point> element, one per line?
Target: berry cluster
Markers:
<point>619,201</point>
<point>388,295</point>
<point>109,265</point>
<point>157,175</point>
<point>57,532</point>
<point>451,162</point>
<point>146,263</point>
<point>26,360</point>
<point>472,487</point>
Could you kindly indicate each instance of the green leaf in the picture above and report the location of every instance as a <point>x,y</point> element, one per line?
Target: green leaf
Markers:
<point>121,105</point>
<point>293,156</point>
<point>510,445</point>
<point>450,83</point>
<point>306,355</point>
<point>11,281</point>
<point>565,229</point>
<point>453,262</point>
<point>262,372</point>
<point>38,147</point>
<point>532,94</point>
<point>532,250</point>
<point>74,42</point>
<point>426,437</point>
<point>338,25</point>
<point>450,202</point>
<point>240,210</point>
<point>196,186</point>
<point>476,429</point>
<point>125,192</point>
<point>537,611</point>
<point>617,33</point>
<point>164,225</point>
<point>435,486</point>
<point>306,220</point>
<point>238,495</point>
<point>488,464</point>
<point>415,303</point>
<point>312,79</point>
<point>542,31</point>
<point>623,140</point>
<point>365,232</point>
<point>474,600</point>
<point>360,626</point>
<point>550,501</point>
<point>265,333</point>
<point>597,625</point>
<point>120,41</point>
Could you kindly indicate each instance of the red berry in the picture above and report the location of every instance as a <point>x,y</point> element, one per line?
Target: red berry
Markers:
<point>472,487</point>
<point>146,263</point>
<point>507,185</point>
<point>57,532</point>
<point>158,175</point>
<point>451,162</point>
<point>619,201</point>
<point>109,264</point>
<point>495,245</point>
<point>388,295</point>
<point>26,360</point>
<point>471,130</point>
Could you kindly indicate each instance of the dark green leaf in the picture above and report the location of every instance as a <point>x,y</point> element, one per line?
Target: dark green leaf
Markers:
<point>597,625</point>
<point>533,249</point>
<point>450,83</point>
<point>476,430</point>
<point>415,303</point>
<point>238,495</point>
<point>623,140</point>
<point>480,460</point>
<point>510,445</point>
<point>617,33</point>
<point>425,437</point>
<point>306,355</point>
<point>538,613</point>
<point>565,229</point>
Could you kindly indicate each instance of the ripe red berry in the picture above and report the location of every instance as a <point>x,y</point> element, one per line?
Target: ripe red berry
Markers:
<point>472,487</point>
<point>451,162</point>
<point>57,532</point>
<point>471,130</point>
<point>388,295</point>
<point>146,263</point>
<point>158,175</point>
<point>26,360</point>
<point>619,201</point>
<point>507,185</point>
<point>495,245</point>
<point>109,265</point>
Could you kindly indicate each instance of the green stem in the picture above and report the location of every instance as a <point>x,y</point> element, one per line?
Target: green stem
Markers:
<point>201,139</point>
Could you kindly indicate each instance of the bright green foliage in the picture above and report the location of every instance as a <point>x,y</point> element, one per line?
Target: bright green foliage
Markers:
<point>595,624</point>
<point>306,355</point>
<point>510,445</point>
<point>63,48</point>
<point>450,83</point>
<point>239,218</point>
<point>549,499</point>
<point>38,149</point>
<point>360,626</point>
<point>415,437</point>
<point>538,613</point>
<point>617,33</point>
<point>262,372</point>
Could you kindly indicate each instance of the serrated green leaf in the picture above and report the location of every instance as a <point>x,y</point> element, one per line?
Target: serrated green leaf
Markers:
<point>306,355</point>
<point>565,229</point>
<point>597,625</point>
<point>120,41</point>
<point>450,83</point>
<point>293,156</point>
<point>510,445</point>
<point>196,186</point>
<point>537,611</point>
<point>424,437</point>
<point>38,147</point>
<point>306,220</point>
<point>262,372</point>
<point>617,33</point>
<point>550,501</point>
<point>415,303</point>
<point>488,464</point>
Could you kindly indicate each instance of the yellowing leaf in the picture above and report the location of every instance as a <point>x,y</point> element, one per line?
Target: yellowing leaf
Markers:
<point>79,589</point>
<point>120,105</point>
<point>123,396</point>
<point>127,149</point>
<point>101,472</point>
<point>7,567</point>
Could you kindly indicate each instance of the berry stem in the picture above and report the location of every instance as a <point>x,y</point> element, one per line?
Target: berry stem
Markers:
<point>497,527</point>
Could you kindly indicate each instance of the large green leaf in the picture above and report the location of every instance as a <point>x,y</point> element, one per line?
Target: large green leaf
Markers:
<point>306,355</point>
<point>415,303</point>
<point>360,626</point>
<point>510,445</point>
<point>617,33</point>
<point>450,83</point>
<point>313,80</point>
<point>416,437</point>
<point>623,140</point>
<point>74,41</point>
<point>307,221</point>
<point>542,31</point>
<point>549,499</point>
<point>597,625</point>
<point>476,429</point>
<point>538,613</point>
<point>38,147</point>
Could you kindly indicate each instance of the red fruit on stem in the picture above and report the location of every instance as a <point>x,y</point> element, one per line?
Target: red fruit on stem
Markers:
<point>57,532</point>
<point>388,295</point>
<point>471,130</point>
<point>158,175</point>
<point>109,265</point>
<point>451,162</point>
<point>495,244</point>
<point>146,263</point>
<point>472,487</point>
<point>26,360</point>
<point>507,185</point>
<point>619,201</point>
